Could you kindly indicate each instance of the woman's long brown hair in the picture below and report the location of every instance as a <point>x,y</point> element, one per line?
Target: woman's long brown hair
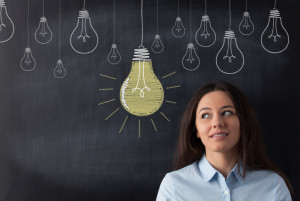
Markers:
<point>252,151</point>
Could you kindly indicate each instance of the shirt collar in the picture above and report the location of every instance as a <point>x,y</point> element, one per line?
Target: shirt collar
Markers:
<point>208,171</point>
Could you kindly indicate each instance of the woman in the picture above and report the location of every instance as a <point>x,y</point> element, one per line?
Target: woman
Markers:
<point>220,153</point>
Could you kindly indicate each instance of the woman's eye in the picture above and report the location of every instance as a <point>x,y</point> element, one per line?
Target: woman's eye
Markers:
<point>226,113</point>
<point>204,116</point>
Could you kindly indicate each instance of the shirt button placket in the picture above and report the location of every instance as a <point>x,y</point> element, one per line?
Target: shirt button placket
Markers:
<point>227,194</point>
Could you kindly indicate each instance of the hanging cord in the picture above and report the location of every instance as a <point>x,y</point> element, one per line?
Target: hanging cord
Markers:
<point>246,6</point>
<point>178,9</point>
<point>205,8</point>
<point>114,21</point>
<point>59,18</point>
<point>190,21</point>
<point>142,38</point>
<point>275,5</point>
<point>83,5</point>
<point>229,28</point>
<point>157,17</point>
<point>27,23</point>
<point>43,8</point>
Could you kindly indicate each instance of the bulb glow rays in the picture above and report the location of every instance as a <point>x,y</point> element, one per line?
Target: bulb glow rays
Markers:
<point>114,56</point>
<point>141,93</point>
<point>7,28</point>
<point>205,35</point>
<point>27,62</point>
<point>84,39</point>
<point>275,38</point>
<point>230,59</point>
<point>157,46</point>
<point>246,26</point>
<point>190,60</point>
<point>43,33</point>
<point>178,29</point>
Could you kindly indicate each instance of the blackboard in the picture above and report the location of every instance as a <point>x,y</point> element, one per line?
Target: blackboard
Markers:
<point>55,142</point>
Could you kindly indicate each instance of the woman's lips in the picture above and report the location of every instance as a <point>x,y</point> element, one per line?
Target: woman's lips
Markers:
<point>219,135</point>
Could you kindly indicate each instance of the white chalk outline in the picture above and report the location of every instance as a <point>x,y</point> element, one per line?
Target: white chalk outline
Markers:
<point>2,5</point>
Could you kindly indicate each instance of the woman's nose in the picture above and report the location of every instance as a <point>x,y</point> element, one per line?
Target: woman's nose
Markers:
<point>218,121</point>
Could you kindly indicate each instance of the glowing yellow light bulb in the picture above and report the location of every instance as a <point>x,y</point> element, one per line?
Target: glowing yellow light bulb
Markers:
<point>141,93</point>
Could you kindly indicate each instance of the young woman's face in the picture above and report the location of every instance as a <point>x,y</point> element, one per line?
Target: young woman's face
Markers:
<point>217,124</point>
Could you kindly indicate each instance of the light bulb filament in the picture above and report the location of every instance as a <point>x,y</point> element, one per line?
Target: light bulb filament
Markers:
<point>83,33</point>
<point>1,20</point>
<point>27,60</point>
<point>246,23</point>
<point>274,29</point>
<point>43,31</point>
<point>229,49</point>
<point>142,94</point>
<point>205,32</point>
<point>157,45</point>
<point>190,58</point>
<point>178,27</point>
<point>114,55</point>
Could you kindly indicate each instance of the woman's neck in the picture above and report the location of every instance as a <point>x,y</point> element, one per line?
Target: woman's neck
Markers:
<point>223,162</point>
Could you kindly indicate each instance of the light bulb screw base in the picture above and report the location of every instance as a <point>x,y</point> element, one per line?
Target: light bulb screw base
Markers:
<point>274,13</point>
<point>205,18</point>
<point>43,19</point>
<point>178,19</point>
<point>2,3</point>
<point>190,46</point>
<point>229,34</point>
<point>246,14</point>
<point>113,46</point>
<point>27,49</point>
<point>59,61</point>
<point>157,37</point>
<point>141,54</point>
<point>84,14</point>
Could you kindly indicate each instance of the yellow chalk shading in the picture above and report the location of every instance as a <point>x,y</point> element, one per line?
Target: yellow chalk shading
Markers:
<point>164,116</point>
<point>171,102</point>
<point>153,125</point>
<point>139,128</point>
<point>107,76</point>
<point>173,87</point>
<point>123,124</point>
<point>106,101</point>
<point>168,75</point>
<point>107,89</point>
<point>112,114</point>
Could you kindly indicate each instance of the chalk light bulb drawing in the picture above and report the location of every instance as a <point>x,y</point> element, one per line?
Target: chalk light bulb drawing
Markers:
<point>43,33</point>
<point>230,59</point>
<point>157,46</point>
<point>190,60</point>
<point>141,93</point>
<point>205,35</point>
<point>28,62</point>
<point>7,28</point>
<point>178,29</point>
<point>274,38</point>
<point>246,26</point>
<point>59,70</point>
<point>84,39</point>
<point>114,56</point>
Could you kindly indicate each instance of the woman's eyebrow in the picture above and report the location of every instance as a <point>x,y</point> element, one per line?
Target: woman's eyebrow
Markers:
<point>204,108</point>
<point>227,106</point>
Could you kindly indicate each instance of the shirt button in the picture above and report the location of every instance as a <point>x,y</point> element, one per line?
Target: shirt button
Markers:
<point>226,192</point>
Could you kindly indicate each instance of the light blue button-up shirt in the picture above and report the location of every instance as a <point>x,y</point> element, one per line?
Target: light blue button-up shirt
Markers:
<point>200,181</point>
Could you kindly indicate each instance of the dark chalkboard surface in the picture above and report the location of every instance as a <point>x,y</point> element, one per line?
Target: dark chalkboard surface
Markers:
<point>55,143</point>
